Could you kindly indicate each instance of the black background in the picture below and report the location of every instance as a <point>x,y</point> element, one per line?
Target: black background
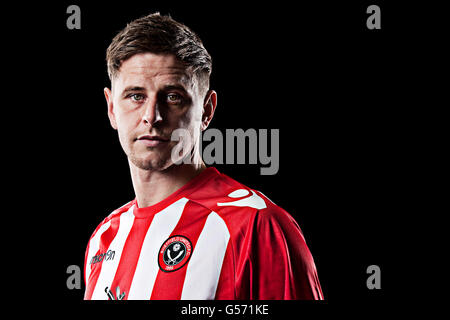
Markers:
<point>342,96</point>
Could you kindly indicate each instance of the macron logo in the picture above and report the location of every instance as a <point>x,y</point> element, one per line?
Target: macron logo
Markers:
<point>250,200</point>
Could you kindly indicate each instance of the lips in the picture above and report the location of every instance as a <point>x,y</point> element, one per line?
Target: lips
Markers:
<point>152,138</point>
<point>152,141</point>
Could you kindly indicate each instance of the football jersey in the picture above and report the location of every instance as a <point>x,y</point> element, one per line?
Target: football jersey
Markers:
<point>213,238</point>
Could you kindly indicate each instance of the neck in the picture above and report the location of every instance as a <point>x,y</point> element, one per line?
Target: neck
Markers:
<point>152,186</point>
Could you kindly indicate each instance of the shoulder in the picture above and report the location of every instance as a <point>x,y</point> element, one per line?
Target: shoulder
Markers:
<point>221,191</point>
<point>241,205</point>
<point>274,221</point>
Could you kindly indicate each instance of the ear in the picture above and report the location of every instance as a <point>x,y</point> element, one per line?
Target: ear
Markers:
<point>209,106</point>
<point>109,102</point>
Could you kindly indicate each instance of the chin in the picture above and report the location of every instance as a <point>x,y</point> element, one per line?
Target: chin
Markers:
<point>151,163</point>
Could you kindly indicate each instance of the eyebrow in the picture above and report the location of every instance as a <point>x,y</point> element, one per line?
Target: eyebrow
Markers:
<point>142,89</point>
<point>132,89</point>
<point>174,87</point>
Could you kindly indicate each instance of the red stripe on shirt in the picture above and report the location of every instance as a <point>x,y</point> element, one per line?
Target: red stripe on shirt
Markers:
<point>130,255</point>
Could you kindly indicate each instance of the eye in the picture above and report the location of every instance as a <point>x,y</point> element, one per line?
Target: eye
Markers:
<point>137,97</point>
<point>174,98</point>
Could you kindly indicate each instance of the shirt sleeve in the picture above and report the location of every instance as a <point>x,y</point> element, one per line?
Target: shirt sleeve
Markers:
<point>282,267</point>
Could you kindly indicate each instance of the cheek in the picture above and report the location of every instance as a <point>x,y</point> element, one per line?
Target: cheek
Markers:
<point>123,133</point>
<point>191,122</point>
<point>126,129</point>
<point>126,120</point>
<point>191,118</point>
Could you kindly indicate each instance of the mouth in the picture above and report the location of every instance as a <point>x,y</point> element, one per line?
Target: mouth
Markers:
<point>152,141</point>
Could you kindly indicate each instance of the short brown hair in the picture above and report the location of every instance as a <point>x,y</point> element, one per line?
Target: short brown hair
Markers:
<point>157,34</point>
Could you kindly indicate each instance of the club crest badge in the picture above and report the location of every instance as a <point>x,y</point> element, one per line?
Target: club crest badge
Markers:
<point>174,253</point>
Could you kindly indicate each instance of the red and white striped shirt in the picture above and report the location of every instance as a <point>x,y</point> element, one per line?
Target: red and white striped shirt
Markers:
<point>214,238</point>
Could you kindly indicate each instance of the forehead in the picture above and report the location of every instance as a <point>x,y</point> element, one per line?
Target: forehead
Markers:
<point>150,68</point>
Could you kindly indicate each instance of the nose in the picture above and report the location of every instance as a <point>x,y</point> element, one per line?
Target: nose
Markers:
<point>151,113</point>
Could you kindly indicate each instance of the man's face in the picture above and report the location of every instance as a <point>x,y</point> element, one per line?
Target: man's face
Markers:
<point>152,95</point>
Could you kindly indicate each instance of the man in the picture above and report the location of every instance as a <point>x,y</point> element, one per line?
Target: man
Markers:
<point>191,232</point>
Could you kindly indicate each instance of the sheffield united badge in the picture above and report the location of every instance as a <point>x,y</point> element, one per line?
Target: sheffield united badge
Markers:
<point>174,253</point>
